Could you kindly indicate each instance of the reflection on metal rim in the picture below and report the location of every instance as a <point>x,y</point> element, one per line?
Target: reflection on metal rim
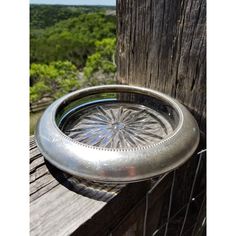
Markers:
<point>117,133</point>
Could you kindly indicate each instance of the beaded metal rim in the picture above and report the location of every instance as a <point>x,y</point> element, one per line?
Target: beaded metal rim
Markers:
<point>116,125</point>
<point>116,165</point>
<point>120,87</point>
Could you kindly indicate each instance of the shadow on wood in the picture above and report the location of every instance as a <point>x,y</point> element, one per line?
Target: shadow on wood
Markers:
<point>93,190</point>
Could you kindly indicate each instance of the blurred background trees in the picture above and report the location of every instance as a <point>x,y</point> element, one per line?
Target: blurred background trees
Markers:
<point>52,80</point>
<point>70,47</point>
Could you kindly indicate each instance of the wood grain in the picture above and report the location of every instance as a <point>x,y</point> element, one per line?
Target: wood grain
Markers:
<point>61,204</point>
<point>162,45</point>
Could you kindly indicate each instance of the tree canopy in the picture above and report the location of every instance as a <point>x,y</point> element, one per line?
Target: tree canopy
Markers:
<point>102,59</point>
<point>72,39</point>
<point>42,16</point>
<point>54,80</point>
<point>70,48</point>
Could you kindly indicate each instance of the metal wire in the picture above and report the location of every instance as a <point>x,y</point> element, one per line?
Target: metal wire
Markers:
<point>191,194</point>
<point>170,203</point>
<point>187,205</point>
<point>176,214</point>
<point>147,198</point>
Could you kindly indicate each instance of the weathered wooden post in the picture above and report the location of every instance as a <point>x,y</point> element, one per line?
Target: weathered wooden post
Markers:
<point>162,45</point>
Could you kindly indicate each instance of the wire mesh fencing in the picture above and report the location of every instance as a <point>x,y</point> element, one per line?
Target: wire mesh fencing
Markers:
<point>182,207</point>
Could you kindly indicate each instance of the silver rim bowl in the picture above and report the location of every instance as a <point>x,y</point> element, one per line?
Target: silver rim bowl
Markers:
<point>117,133</point>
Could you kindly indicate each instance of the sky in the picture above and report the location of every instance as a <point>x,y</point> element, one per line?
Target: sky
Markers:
<point>75,2</point>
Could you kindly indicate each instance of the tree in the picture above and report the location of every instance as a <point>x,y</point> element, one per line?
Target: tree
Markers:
<point>72,39</point>
<point>54,79</point>
<point>102,60</point>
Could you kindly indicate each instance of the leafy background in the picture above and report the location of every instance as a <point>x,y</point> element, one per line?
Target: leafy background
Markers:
<point>71,47</point>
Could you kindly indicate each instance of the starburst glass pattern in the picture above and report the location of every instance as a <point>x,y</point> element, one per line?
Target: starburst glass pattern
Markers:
<point>117,125</point>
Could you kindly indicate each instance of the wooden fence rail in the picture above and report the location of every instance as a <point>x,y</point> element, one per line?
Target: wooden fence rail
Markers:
<point>40,105</point>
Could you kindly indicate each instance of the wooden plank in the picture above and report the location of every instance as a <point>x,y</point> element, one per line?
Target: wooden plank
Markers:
<point>115,211</point>
<point>61,204</point>
<point>60,212</point>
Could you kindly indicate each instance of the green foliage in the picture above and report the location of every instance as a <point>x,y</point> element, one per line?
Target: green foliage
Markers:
<point>70,48</point>
<point>54,79</point>
<point>42,16</point>
<point>72,39</point>
<point>38,91</point>
<point>102,59</point>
